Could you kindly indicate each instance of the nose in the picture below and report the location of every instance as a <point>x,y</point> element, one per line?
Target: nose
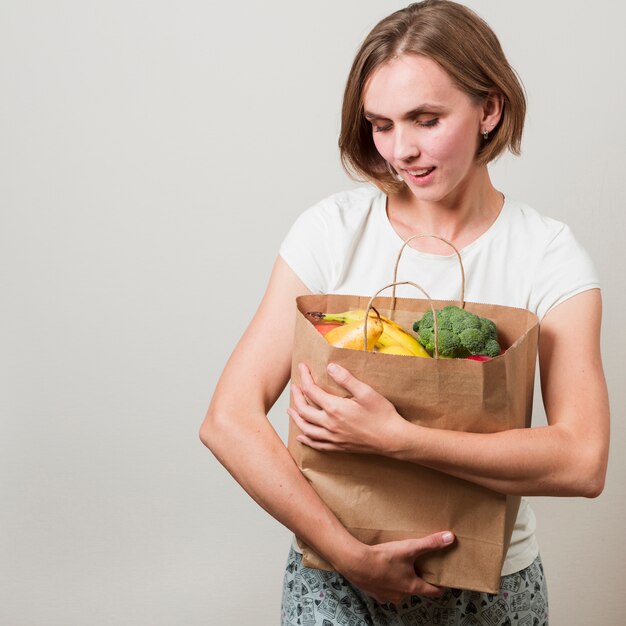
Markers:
<point>405,146</point>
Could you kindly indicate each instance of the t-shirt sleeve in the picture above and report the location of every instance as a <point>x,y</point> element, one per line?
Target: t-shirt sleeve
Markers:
<point>565,270</point>
<point>306,249</point>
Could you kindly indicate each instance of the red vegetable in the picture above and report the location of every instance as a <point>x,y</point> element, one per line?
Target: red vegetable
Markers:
<point>324,328</point>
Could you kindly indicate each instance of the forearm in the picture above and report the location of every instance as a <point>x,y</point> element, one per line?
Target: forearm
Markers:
<point>264,467</point>
<point>533,461</point>
<point>257,458</point>
<point>567,457</point>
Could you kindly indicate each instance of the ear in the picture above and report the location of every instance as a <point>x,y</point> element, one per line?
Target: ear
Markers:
<point>492,108</point>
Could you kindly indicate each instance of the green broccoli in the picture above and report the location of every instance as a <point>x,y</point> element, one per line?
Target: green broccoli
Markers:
<point>461,333</point>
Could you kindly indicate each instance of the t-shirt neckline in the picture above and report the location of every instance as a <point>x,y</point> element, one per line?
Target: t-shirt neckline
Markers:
<point>481,239</point>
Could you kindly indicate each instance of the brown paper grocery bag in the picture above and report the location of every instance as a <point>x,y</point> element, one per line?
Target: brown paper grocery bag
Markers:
<point>380,499</point>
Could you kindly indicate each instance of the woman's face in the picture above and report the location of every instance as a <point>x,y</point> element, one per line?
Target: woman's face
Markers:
<point>424,126</point>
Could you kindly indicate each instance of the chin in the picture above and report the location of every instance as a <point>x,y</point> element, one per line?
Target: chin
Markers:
<point>429,194</point>
<point>437,192</point>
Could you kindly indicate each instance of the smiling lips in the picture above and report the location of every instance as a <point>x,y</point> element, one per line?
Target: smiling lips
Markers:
<point>421,172</point>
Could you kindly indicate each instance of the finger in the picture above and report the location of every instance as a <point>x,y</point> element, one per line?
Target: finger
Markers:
<point>309,412</point>
<point>312,392</point>
<point>308,429</point>
<point>436,541</point>
<point>323,446</point>
<point>343,377</point>
<point>422,588</point>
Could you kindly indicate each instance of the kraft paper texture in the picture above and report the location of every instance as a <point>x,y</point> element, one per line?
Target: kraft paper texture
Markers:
<point>380,499</point>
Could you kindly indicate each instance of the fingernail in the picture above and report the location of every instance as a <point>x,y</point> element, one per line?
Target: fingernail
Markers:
<point>447,537</point>
<point>332,368</point>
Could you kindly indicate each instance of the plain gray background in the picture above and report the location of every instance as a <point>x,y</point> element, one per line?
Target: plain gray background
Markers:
<point>153,156</point>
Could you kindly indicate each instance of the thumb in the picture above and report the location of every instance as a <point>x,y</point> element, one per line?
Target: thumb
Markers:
<point>436,541</point>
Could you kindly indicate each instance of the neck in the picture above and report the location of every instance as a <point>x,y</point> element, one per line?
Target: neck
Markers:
<point>460,217</point>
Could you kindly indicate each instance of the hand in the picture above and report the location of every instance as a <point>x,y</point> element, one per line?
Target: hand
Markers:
<point>386,571</point>
<point>366,422</point>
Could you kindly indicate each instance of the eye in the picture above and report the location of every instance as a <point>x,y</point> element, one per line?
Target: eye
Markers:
<point>428,123</point>
<point>380,129</point>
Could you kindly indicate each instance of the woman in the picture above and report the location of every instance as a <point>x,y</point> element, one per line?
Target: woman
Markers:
<point>430,100</point>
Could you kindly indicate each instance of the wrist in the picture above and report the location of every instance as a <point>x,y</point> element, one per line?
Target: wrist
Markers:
<point>348,555</point>
<point>404,441</point>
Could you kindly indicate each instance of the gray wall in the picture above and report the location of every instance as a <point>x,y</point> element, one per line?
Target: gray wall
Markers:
<point>153,155</point>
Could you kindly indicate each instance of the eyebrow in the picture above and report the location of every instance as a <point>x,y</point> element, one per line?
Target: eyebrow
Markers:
<point>423,108</point>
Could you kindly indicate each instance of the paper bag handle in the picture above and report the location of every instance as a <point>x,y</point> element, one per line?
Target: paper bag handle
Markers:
<point>405,282</point>
<point>458,254</point>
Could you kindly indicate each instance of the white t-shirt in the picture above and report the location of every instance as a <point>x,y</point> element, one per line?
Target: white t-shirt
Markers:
<point>345,244</point>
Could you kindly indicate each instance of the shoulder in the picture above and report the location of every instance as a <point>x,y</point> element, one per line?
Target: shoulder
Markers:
<point>344,206</point>
<point>531,225</point>
<point>541,235</point>
<point>318,243</point>
<point>336,218</point>
<point>557,265</point>
<point>535,238</point>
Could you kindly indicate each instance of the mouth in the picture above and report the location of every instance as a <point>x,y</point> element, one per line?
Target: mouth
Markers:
<point>420,174</point>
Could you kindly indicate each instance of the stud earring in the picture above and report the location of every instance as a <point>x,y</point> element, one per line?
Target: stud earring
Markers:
<point>485,134</point>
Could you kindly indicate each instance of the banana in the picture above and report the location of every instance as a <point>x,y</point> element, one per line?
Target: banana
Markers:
<point>395,349</point>
<point>351,335</point>
<point>346,317</point>
<point>393,333</point>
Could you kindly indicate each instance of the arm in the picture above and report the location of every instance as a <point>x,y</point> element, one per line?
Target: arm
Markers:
<point>238,433</point>
<point>566,458</point>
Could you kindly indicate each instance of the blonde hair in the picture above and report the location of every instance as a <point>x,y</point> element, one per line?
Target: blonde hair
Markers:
<point>464,45</point>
